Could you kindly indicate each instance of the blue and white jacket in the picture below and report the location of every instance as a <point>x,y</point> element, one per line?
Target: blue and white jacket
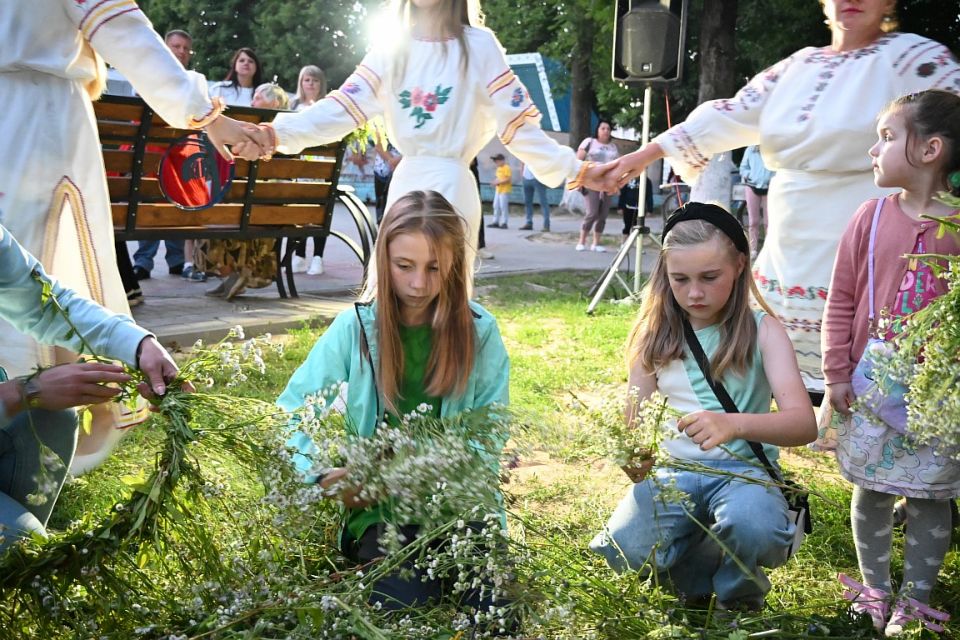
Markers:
<point>108,334</point>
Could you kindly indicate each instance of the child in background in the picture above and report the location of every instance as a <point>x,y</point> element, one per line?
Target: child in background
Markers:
<point>918,151</point>
<point>628,204</point>
<point>701,286</point>
<point>416,340</point>
<point>502,186</point>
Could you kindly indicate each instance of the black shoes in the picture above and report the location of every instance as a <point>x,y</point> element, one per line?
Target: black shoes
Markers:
<point>142,274</point>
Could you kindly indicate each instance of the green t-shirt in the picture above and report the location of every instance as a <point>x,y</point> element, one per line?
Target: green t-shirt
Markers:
<point>416,343</point>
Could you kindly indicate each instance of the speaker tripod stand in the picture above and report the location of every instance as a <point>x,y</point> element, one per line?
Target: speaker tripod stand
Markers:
<point>640,231</point>
<point>633,244</point>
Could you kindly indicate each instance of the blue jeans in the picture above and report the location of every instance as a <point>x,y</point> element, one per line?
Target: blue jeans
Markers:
<point>147,249</point>
<point>749,520</point>
<point>20,466</point>
<point>529,186</point>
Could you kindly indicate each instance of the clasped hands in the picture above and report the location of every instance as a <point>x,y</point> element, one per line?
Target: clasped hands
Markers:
<point>244,139</point>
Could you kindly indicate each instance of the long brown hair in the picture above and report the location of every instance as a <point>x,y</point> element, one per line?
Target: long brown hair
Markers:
<point>455,14</point>
<point>657,337</point>
<point>452,352</point>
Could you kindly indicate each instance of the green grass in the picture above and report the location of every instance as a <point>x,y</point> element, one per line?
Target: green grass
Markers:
<point>563,490</point>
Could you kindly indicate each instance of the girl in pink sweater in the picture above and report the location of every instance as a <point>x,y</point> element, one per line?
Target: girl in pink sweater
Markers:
<point>918,152</point>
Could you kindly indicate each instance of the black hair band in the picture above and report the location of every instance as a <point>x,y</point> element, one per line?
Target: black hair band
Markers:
<point>715,215</point>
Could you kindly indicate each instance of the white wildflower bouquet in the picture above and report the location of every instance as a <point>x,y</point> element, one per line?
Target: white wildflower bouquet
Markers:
<point>633,447</point>
<point>428,471</point>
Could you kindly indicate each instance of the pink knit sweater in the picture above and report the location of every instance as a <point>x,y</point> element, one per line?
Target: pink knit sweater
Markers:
<point>846,317</point>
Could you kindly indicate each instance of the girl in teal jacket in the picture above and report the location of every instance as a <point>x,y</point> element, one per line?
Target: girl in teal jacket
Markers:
<point>416,340</point>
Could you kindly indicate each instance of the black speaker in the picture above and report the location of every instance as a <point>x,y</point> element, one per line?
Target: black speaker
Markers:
<point>649,41</point>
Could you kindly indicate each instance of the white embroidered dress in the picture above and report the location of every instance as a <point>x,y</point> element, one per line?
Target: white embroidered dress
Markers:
<point>438,116</point>
<point>53,189</point>
<point>814,117</point>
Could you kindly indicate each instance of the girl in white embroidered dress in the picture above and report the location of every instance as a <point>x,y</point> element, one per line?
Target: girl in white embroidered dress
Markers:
<point>443,94</point>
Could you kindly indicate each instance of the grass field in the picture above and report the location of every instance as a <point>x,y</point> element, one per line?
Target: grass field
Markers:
<point>563,363</point>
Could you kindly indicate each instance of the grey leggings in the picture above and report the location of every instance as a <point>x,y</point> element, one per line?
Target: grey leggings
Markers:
<point>21,472</point>
<point>598,207</point>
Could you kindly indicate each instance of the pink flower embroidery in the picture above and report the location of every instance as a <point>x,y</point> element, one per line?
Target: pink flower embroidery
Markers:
<point>351,87</point>
<point>416,97</point>
<point>430,102</point>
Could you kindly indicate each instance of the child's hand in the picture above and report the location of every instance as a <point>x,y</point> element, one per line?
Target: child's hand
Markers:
<point>637,470</point>
<point>347,495</point>
<point>841,396</point>
<point>708,429</point>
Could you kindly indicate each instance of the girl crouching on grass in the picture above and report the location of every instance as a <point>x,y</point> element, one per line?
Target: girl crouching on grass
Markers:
<point>417,344</point>
<point>700,287</point>
<point>918,152</point>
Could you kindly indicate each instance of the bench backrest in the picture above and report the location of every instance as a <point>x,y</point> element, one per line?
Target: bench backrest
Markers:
<point>288,196</point>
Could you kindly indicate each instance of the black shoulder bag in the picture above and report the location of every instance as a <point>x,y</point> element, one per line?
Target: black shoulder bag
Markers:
<point>796,496</point>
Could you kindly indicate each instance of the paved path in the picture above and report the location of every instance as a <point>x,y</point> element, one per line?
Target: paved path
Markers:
<point>179,312</point>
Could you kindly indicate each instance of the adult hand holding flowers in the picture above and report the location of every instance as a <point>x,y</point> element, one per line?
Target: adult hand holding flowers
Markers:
<point>158,367</point>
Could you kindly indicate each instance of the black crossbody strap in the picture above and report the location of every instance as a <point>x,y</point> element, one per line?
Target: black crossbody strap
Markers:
<point>725,400</point>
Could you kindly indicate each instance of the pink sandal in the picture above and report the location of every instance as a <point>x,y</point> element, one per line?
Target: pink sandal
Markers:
<point>867,600</point>
<point>907,610</point>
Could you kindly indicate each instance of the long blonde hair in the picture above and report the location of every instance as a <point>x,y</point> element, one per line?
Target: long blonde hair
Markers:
<point>452,352</point>
<point>657,337</point>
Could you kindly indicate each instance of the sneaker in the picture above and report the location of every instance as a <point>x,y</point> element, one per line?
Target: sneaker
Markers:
<point>527,227</point>
<point>484,254</point>
<point>316,266</point>
<point>195,275</point>
<point>599,248</point>
<point>908,610</point>
<point>581,247</point>
<point>866,600</point>
<point>187,272</point>
<point>135,297</point>
<point>298,264</point>
<point>503,225</point>
<point>140,273</point>
<point>493,225</point>
<point>546,228</point>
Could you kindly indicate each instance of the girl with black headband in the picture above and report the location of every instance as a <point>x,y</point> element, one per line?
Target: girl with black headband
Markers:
<point>700,287</point>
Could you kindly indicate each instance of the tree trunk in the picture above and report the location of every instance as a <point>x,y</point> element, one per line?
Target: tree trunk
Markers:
<point>718,79</point>
<point>581,86</point>
<point>718,51</point>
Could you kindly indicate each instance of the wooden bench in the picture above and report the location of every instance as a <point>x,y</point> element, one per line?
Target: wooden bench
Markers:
<point>288,197</point>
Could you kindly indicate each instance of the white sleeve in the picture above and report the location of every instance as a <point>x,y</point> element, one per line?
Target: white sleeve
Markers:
<point>124,37</point>
<point>931,66</point>
<point>518,119</point>
<point>720,125</point>
<point>357,100</point>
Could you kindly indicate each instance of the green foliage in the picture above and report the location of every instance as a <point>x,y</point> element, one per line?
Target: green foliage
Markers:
<point>286,34</point>
<point>231,565</point>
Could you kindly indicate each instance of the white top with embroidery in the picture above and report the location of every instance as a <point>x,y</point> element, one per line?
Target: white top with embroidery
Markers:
<point>53,195</point>
<point>816,110</point>
<point>814,116</point>
<point>433,108</point>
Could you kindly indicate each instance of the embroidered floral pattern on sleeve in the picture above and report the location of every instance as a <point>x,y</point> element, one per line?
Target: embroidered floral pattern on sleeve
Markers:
<point>518,97</point>
<point>423,104</point>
